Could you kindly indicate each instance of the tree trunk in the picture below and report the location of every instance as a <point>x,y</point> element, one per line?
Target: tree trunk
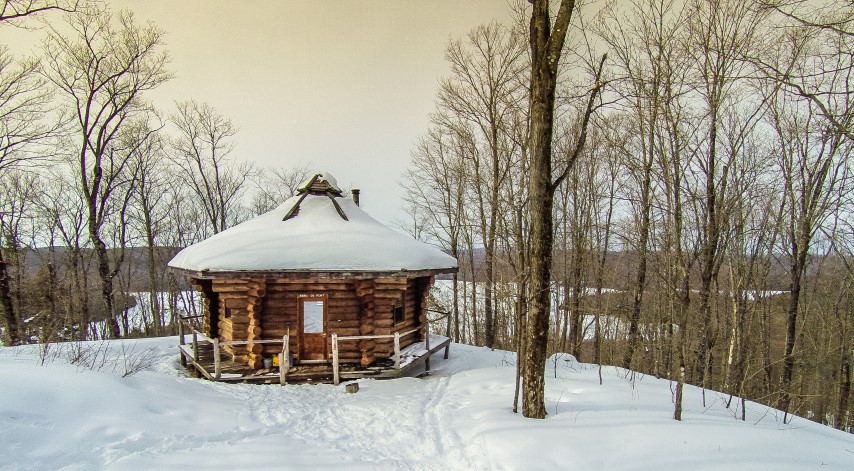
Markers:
<point>10,318</point>
<point>546,48</point>
<point>844,389</point>
<point>798,264</point>
<point>106,285</point>
<point>640,279</point>
<point>153,289</point>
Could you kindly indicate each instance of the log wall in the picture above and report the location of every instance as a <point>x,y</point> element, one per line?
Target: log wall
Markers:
<point>268,309</point>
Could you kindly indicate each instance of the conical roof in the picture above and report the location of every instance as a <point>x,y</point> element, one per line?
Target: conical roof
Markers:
<point>316,231</point>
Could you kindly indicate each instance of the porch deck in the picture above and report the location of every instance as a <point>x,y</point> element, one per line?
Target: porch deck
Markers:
<point>203,363</point>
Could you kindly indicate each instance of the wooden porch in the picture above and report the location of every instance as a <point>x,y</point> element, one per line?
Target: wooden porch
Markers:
<point>204,357</point>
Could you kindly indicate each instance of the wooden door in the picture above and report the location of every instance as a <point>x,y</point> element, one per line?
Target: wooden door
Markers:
<point>312,314</point>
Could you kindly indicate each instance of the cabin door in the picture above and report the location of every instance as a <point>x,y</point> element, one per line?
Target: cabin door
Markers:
<point>312,328</point>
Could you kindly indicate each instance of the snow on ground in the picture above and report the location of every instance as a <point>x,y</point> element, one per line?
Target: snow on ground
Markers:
<point>62,416</point>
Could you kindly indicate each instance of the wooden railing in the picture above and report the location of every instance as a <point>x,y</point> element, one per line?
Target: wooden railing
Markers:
<point>442,315</point>
<point>185,327</point>
<point>396,336</point>
<point>184,323</point>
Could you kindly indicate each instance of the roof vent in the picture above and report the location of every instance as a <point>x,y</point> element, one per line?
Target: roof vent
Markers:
<point>319,184</point>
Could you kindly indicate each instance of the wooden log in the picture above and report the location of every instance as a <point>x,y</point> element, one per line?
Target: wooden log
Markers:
<point>254,292</point>
<point>335,379</point>
<point>346,332</point>
<point>350,355</point>
<point>234,303</point>
<point>239,331</point>
<point>217,362</point>
<point>242,321</point>
<point>284,304</point>
<point>283,368</point>
<point>255,361</point>
<point>254,309</point>
<point>308,288</point>
<point>382,296</point>
<point>278,333</point>
<point>255,348</point>
<point>341,323</point>
<point>195,347</point>
<point>397,350</point>
<point>366,329</point>
<point>427,345</point>
<point>338,316</point>
<point>391,281</point>
<point>229,289</point>
<point>181,342</point>
<point>348,308</point>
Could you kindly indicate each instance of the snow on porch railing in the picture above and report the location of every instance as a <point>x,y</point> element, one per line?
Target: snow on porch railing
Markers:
<point>217,353</point>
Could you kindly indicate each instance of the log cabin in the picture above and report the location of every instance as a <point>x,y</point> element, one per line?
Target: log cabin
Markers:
<point>322,274</point>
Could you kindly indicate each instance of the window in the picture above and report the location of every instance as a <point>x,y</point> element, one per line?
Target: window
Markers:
<point>312,317</point>
<point>399,313</point>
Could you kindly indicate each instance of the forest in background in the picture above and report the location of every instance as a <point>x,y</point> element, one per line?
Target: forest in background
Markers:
<point>708,215</point>
<point>703,233</point>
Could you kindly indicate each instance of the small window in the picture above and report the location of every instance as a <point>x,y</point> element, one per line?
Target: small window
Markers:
<point>399,313</point>
<point>312,312</point>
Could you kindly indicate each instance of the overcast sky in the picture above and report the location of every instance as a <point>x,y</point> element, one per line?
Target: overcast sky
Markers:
<point>345,86</point>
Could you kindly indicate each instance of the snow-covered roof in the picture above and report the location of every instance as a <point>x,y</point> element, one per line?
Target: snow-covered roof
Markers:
<point>309,233</point>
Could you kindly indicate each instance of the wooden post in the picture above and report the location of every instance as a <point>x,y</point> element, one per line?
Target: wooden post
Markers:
<point>335,379</point>
<point>284,362</point>
<point>181,341</point>
<point>283,369</point>
<point>217,363</point>
<point>397,350</point>
<point>448,346</point>
<point>195,347</point>
<point>427,345</point>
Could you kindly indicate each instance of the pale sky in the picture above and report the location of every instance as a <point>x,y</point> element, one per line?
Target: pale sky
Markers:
<point>345,86</point>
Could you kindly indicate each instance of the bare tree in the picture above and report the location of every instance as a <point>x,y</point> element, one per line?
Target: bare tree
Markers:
<point>812,163</point>
<point>202,150</point>
<point>15,10</point>
<point>150,215</point>
<point>275,185</point>
<point>437,185</point>
<point>546,43</point>
<point>17,191</point>
<point>814,57</point>
<point>481,95</point>
<point>102,70</point>
<point>62,208</point>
